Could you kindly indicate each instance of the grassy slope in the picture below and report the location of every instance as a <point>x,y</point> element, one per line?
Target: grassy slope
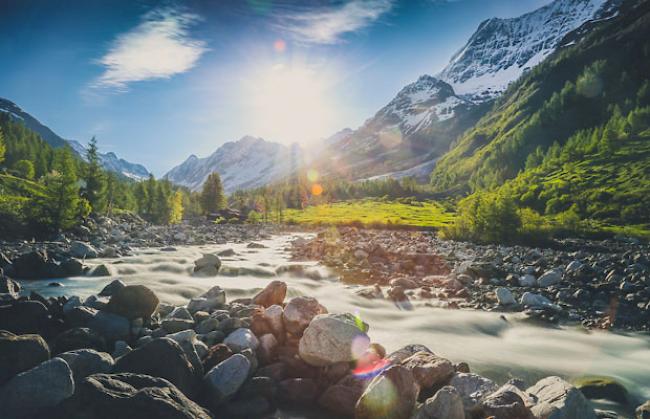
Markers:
<point>424,214</point>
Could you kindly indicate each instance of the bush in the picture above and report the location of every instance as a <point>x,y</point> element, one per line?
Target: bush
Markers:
<point>254,217</point>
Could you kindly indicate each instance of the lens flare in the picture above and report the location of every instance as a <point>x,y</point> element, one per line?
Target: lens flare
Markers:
<point>316,189</point>
<point>312,175</point>
<point>279,45</point>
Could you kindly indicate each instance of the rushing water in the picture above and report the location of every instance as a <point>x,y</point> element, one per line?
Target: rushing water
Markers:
<point>496,347</point>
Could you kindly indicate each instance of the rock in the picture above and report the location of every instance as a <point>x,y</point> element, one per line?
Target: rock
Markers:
<point>573,267</point>
<point>133,301</point>
<point>405,352</point>
<point>174,325</point>
<point>299,312</point>
<point>429,370</point>
<point>208,265</point>
<point>223,381</point>
<point>505,297</point>
<point>213,299</point>
<point>643,411</point>
<point>341,398</point>
<point>104,396</point>
<point>186,339</point>
<point>268,348</point>
<point>71,267</point>
<point>472,388</point>
<point>110,326</point>
<point>85,362</point>
<point>121,348</point>
<point>31,265</point>
<point>332,338</point>
<point>445,404</point>
<point>22,317</point>
<point>82,250</point>
<point>112,288</point>
<point>273,293</point>
<point>558,399</point>
<point>227,253</point>
<point>527,280</point>
<point>9,286</point>
<point>549,278</point>
<point>72,302</point>
<point>253,245</point>
<point>297,391</point>
<point>161,357</point>
<point>505,404</point>
<point>216,354</point>
<point>603,388</point>
<point>531,299</point>
<point>20,353</point>
<point>274,317</point>
<point>241,339</point>
<point>78,338</point>
<point>390,395</point>
<point>207,326</point>
<point>100,270</point>
<point>31,392</point>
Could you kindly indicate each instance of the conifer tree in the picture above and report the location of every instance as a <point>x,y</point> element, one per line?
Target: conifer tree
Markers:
<point>3,148</point>
<point>95,189</point>
<point>176,210</point>
<point>59,206</point>
<point>212,195</point>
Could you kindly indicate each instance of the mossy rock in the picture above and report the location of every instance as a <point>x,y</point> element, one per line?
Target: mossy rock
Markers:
<point>604,388</point>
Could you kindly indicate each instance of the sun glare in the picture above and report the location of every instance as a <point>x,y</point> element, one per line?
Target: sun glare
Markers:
<point>291,103</point>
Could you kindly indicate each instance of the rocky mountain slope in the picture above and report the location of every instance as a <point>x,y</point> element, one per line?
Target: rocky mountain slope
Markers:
<point>109,161</point>
<point>247,163</point>
<point>501,50</point>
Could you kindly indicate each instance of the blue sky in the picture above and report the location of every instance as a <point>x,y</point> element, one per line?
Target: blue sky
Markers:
<point>156,81</point>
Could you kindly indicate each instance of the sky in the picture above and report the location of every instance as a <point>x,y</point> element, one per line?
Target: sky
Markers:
<point>156,81</point>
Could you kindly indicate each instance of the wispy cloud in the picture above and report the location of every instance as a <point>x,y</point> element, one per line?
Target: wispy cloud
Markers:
<point>328,25</point>
<point>159,47</point>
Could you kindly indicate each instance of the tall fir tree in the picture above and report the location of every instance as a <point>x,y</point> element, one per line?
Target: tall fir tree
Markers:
<point>59,207</point>
<point>213,198</point>
<point>176,208</point>
<point>3,148</point>
<point>95,179</point>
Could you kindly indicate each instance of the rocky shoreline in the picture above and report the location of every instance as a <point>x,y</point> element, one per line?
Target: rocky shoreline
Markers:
<point>603,284</point>
<point>124,352</point>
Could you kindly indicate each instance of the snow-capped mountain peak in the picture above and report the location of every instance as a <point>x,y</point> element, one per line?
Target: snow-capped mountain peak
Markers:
<point>501,50</point>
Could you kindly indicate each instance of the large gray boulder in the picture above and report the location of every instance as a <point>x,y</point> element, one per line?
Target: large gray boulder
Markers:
<point>208,265</point>
<point>333,338</point>
<point>225,379</point>
<point>85,362</point>
<point>82,250</point>
<point>558,399</point>
<point>20,353</point>
<point>445,404</point>
<point>390,395</point>
<point>130,396</point>
<point>242,339</point>
<point>428,369</point>
<point>42,387</point>
<point>133,301</point>
<point>213,299</point>
<point>109,325</point>
<point>299,312</point>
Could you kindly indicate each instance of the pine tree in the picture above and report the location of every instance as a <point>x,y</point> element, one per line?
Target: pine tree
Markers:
<point>176,210</point>
<point>25,169</point>
<point>95,189</point>
<point>60,204</point>
<point>213,198</point>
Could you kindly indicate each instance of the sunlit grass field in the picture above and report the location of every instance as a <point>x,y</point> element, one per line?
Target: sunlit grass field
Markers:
<point>373,212</point>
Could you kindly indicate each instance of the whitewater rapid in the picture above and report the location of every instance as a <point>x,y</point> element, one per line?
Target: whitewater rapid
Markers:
<point>497,345</point>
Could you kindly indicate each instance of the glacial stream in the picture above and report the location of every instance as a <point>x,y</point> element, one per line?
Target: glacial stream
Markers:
<point>493,346</point>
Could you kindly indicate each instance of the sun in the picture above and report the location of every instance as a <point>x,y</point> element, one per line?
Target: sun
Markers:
<point>291,103</point>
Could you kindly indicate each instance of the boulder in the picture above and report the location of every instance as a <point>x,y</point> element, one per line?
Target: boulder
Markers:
<point>216,354</point>
<point>429,370</point>
<point>133,301</point>
<point>505,297</point>
<point>85,362</point>
<point>71,267</point>
<point>78,338</point>
<point>31,265</point>
<point>273,293</point>
<point>531,299</point>
<point>297,391</point>
<point>472,388</point>
<point>341,398</point>
<point>20,353</point>
<point>211,300</point>
<point>268,348</point>
<point>110,326</point>
<point>527,280</point>
<point>23,317</point>
<point>603,388</point>
<point>274,319</point>
<point>9,286</point>
<point>559,399</point>
<point>643,411</point>
<point>225,379</point>
<point>208,265</point>
<point>112,288</point>
<point>299,312</point>
<point>241,339</point>
<point>82,250</point>
<point>187,340</point>
<point>445,404</point>
<point>505,404</point>
<point>390,395</point>
<point>332,338</point>
<point>33,391</point>
<point>130,396</point>
<point>161,357</point>
<point>405,352</point>
<point>99,270</point>
<point>549,278</point>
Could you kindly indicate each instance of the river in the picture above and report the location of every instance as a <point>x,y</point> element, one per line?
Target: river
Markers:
<point>496,346</point>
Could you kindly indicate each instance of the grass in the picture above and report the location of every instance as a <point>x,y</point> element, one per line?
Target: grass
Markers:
<point>427,214</point>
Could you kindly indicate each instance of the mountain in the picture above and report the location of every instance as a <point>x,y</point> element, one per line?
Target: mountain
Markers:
<point>413,129</point>
<point>248,163</point>
<point>501,50</point>
<point>571,134</point>
<point>109,161</point>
